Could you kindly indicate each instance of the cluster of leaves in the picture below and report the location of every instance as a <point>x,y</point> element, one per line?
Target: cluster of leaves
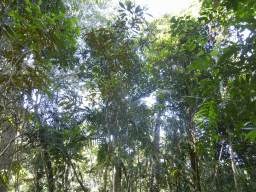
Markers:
<point>204,68</point>
<point>61,95</point>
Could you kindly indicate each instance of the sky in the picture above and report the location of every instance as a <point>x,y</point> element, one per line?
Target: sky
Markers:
<point>160,7</point>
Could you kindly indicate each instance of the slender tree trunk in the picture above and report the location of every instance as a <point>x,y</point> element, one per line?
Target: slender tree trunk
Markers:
<point>105,178</point>
<point>48,170</point>
<point>38,175</point>
<point>156,165</point>
<point>193,150</point>
<point>17,173</point>
<point>194,165</point>
<point>106,172</point>
<point>37,182</point>
<point>233,165</point>
<point>66,180</point>
<point>152,176</point>
<point>77,177</point>
<point>118,173</point>
<point>6,149</point>
<point>216,173</point>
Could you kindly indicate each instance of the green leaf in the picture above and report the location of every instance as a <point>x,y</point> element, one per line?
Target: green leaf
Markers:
<point>30,4</point>
<point>28,9</point>
<point>29,119</point>
<point>192,48</point>
<point>39,3</point>
<point>121,4</point>
<point>204,43</point>
<point>10,120</point>
<point>251,135</point>
<point>15,15</point>
<point>37,123</point>
<point>230,81</point>
<point>68,106</point>
<point>129,5</point>
<point>138,9</point>
<point>32,46</point>
<point>9,30</point>
<point>173,173</point>
<point>200,53</point>
<point>199,38</point>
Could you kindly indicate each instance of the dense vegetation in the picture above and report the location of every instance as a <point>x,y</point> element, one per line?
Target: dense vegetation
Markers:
<point>74,80</point>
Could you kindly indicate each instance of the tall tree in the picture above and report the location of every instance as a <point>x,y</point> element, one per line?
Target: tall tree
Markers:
<point>28,33</point>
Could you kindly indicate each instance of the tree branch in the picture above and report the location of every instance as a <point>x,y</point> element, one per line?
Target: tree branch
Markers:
<point>10,144</point>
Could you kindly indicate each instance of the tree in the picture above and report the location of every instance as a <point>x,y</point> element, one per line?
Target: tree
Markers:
<point>73,82</point>
<point>115,66</point>
<point>232,68</point>
<point>28,33</point>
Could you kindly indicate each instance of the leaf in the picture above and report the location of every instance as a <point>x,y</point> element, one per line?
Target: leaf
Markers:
<point>10,120</point>
<point>173,173</point>
<point>129,5</point>
<point>30,4</point>
<point>121,4</point>
<point>9,30</point>
<point>200,53</point>
<point>192,48</point>
<point>214,53</point>
<point>32,46</point>
<point>204,43</point>
<point>28,9</point>
<point>29,119</point>
<point>199,38</point>
<point>138,9</point>
<point>248,128</point>
<point>68,106</point>
<point>149,14</point>
<point>251,135</point>
<point>39,3</point>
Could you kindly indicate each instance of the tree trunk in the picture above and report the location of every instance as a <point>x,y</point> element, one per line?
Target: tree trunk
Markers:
<point>48,170</point>
<point>216,172</point>
<point>118,174</point>
<point>66,180</point>
<point>37,182</point>
<point>6,149</point>
<point>156,165</point>
<point>194,166</point>
<point>77,177</point>
<point>233,165</point>
<point>105,178</point>
<point>193,150</point>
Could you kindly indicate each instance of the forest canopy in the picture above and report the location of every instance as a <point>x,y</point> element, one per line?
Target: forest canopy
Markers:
<point>75,78</point>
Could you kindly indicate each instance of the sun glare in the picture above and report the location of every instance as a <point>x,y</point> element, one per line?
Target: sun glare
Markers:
<point>161,7</point>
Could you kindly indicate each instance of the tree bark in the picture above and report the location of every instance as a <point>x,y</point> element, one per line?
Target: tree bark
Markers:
<point>37,180</point>
<point>6,148</point>
<point>48,170</point>
<point>66,184</point>
<point>156,164</point>
<point>216,173</point>
<point>194,160</point>
<point>194,166</point>
<point>118,173</point>
<point>233,165</point>
<point>77,178</point>
<point>105,178</point>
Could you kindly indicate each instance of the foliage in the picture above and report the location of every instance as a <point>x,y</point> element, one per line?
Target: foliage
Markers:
<point>75,77</point>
